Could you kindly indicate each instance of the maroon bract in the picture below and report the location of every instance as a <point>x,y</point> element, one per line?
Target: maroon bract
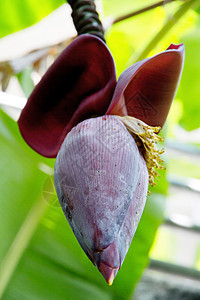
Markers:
<point>77,86</point>
<point>80,114</point>
<point>146,89</point>
<point>81,83</point>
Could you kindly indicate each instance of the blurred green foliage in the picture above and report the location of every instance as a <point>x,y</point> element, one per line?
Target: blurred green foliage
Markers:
<point>189,91</point>
<point>52,265</point>
<point>19,14</point>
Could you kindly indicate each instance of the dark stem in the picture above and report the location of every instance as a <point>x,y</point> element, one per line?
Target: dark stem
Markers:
<point>147,8</point>
<point>86,18</point>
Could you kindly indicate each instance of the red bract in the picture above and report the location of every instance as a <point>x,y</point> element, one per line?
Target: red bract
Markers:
<point>77,86</point>
<point>82,83</point>
<point>101,176</point>
<point>146,89</point>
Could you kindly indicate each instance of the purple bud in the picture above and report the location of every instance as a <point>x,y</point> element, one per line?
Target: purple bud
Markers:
<point>101,180</point>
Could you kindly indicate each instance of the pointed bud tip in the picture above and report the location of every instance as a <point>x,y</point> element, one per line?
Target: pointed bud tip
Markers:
<point>175,46</point>
<point>108,272</point>
<point>179,47</point>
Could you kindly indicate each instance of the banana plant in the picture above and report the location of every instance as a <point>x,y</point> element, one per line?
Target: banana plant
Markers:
<point>103,133</point>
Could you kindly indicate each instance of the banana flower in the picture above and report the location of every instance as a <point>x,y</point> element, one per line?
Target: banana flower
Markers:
<point>103,133</point>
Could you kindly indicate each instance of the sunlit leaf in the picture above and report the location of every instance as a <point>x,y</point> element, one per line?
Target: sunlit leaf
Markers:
<point>198,9</point>
<point>189,91</point>
<point>16,15</point>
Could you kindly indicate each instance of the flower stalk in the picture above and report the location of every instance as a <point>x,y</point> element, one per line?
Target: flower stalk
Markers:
<point>85,18</point>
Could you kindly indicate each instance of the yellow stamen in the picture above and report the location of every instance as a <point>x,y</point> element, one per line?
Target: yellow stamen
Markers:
<point>146,138</point>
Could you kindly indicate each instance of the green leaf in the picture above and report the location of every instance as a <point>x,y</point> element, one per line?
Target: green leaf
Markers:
<point>189,92</point>
<point>198,9</point>
<point>40,257</point>
<point>26,81</point>
<point>16,15</point>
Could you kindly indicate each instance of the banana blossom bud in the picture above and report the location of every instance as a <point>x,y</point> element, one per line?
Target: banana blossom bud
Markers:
<point>97,128</point>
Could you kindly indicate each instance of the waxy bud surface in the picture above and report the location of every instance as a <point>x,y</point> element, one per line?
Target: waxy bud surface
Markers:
<point>101,180</point>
